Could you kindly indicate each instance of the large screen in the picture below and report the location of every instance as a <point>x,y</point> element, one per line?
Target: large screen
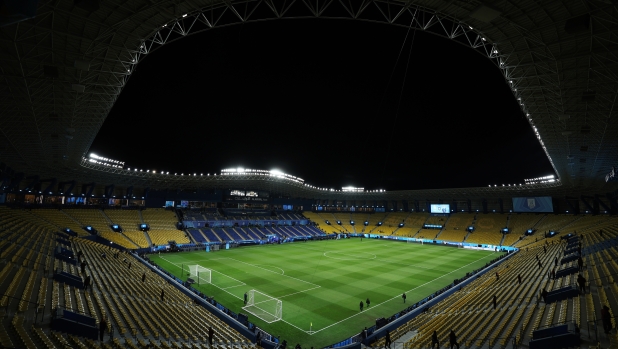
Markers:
<point>533,204</point>
<point>440,208</point>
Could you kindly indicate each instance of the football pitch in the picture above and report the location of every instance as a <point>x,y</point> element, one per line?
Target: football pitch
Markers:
<point>321,283</point>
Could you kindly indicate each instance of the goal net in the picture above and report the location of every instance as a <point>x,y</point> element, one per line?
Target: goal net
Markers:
<point>264,306</point>
<point>200,274</point>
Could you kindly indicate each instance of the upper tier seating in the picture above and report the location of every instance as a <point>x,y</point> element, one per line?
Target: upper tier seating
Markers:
<point>163,226</point>
<point>97,219</point>
<point>487,229</point>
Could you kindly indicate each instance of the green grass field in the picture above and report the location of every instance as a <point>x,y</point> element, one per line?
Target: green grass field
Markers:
<point>322,282</point>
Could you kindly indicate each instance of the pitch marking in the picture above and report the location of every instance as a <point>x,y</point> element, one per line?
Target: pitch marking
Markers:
<point>352,257</point>
<point>274,272</point>
<point>397,296</point>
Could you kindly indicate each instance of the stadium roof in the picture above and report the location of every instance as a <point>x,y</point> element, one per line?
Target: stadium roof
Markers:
<point>62,70</point>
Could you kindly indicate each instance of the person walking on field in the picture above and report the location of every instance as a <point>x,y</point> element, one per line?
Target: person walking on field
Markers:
<point>404,297</point>
<point>368,302</point>
<point>361,305</point>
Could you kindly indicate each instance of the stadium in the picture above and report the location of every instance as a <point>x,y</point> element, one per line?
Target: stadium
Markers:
<point>97,251</point>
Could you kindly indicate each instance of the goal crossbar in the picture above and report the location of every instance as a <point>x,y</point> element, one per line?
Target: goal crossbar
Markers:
<point>263,306</point>
<point>203,275</point>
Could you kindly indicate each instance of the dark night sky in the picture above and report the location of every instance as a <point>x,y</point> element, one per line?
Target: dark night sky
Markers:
<point>306,97</point>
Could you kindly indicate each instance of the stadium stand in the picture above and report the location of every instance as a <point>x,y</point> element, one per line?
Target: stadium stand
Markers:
<point>487,229</point>
<point>163,226</point>
<point>60,219</point>
<point>345,219</point>
<point>519,308</point>
<point>519,223</point>
<point>373,220</point>
<point>134,309</point>
<point>100,222</point>
<point>391,222</point>
<point>129,220</point>
<point>455,227</point>
<point>320,220</point>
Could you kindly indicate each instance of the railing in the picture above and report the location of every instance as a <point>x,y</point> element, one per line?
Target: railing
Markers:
<point>19,299</point>
<point>593,327</point>
<point>468,343</point>
<point>480,306</point>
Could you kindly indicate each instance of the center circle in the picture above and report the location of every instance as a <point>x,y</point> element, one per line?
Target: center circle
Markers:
<point>348,256</point>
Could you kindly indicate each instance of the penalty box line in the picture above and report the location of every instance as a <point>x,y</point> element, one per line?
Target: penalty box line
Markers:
<point>397,296</point>
<point>237,297</point>
<point>240,283</point>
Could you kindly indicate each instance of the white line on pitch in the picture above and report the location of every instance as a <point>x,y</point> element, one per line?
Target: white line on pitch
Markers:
<point>225,288</point>
<point>227,276</point>
<point>397,296</point>
<point>303,291</point>
<point>256,266</point>
<point>235,296</point>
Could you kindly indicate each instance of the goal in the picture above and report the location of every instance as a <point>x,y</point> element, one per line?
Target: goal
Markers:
<point>263,306</point>
<point>200,274</point>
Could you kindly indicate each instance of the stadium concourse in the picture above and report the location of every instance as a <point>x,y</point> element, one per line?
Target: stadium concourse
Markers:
<point>144,307</point>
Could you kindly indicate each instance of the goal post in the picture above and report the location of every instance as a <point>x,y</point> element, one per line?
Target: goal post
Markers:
<point>263,306</point>
<point>200,274</point>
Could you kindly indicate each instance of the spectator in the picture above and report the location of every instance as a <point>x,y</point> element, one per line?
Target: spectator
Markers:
<point>144,277</point>
<point>211,334</point>
<point>452,338</point>
<point>434,340</point>
<point>495,302</point>
<point>86,283</point>
<point>519,278</point>
<point>544,295</point>
<point>581,280</point>
<point>387,339</point>
<point>162,294</point>
<point>580,263</point>
<point>606,317</point>
<point>102,327</point>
